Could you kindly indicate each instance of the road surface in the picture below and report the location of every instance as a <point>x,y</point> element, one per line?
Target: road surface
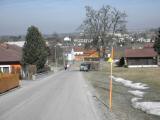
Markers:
<point>60,96</point>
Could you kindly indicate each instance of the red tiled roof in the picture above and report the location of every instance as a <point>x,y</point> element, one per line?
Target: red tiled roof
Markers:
<point>89,51</point>
<point>10,53</point>
<point>149,52</point>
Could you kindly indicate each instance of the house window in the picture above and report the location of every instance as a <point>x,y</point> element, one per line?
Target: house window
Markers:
<point>6,69</point>
<point>0,69</point>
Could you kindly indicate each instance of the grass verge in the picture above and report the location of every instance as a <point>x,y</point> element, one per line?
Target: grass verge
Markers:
<point>121,98</point>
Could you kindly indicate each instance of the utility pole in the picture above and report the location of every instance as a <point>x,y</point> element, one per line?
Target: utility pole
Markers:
<point>55,57</point>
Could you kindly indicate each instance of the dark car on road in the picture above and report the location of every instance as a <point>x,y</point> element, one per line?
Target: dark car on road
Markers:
<point>85,67</point>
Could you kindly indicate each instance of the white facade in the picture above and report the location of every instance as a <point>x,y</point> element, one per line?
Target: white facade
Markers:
<point>78,53</point>
<point>18,43</point>
<point>71,56</point>
<point>141,66</point>
<point>67,39</point>
<point>83,40</point>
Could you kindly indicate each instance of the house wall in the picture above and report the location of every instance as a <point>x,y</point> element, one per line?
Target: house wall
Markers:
<point>141,61</point>
<point>79,58</point>
<point>78,53</point>
<point>91,59</point>
<point>141,66</point>
<point>16,68</point>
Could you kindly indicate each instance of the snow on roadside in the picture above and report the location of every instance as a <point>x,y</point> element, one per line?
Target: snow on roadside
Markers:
<point>135,99</point>
<point>137,93</point>
<point>130,84</point>
<point>148,107</point>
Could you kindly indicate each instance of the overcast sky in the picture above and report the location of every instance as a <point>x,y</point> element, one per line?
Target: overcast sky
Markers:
<point>64,16</point>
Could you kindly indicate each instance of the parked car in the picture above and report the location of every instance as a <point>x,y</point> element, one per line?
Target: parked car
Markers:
<point>85,67</point>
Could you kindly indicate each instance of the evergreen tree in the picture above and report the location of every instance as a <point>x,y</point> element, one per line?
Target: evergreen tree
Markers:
<point>157,42</point>
<point>34,51</point>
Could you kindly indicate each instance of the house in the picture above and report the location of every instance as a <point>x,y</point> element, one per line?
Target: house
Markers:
<point>10,57</point>
<point>67,39</point>
<point>91,55</point>
<point>78,53</point>
<point>80,41</point>
<point>145,57</point>
<point>78,50</point>
<point>87,55</point>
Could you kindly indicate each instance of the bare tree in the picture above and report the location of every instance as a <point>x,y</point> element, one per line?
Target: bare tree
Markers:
<point>101,25</point>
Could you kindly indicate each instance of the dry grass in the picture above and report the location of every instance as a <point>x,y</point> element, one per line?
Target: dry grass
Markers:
<point>149,76</point>
<point>121,98</point>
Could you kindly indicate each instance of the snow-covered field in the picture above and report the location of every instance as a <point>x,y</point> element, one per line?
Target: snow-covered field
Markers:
<point>138,90</point>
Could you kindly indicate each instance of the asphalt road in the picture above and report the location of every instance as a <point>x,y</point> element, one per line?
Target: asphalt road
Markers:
<point>60,96</point>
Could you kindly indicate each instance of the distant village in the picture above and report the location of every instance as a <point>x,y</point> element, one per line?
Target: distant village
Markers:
<point>133,49</point>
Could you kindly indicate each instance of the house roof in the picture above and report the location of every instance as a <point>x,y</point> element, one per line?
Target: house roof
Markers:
<point>10,53</point>
<point>148,52</point>
<point>91,53</point>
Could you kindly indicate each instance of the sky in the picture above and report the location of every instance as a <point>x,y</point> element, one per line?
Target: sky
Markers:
<point>65,16</point>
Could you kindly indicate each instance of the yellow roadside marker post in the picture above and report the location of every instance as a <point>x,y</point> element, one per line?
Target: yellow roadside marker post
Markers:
<point>110,60</point>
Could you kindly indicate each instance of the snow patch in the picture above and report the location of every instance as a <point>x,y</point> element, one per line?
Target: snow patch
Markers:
<point>148,107</point>
<point>137,93</point>
<point>130,84</point>
<point>135,99</point>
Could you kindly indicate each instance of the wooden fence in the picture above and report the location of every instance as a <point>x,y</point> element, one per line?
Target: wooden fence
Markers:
<point>8,81</point>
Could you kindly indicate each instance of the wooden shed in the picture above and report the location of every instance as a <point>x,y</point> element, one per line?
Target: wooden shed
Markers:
<point>146,57</point>
<point>10,58</point>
